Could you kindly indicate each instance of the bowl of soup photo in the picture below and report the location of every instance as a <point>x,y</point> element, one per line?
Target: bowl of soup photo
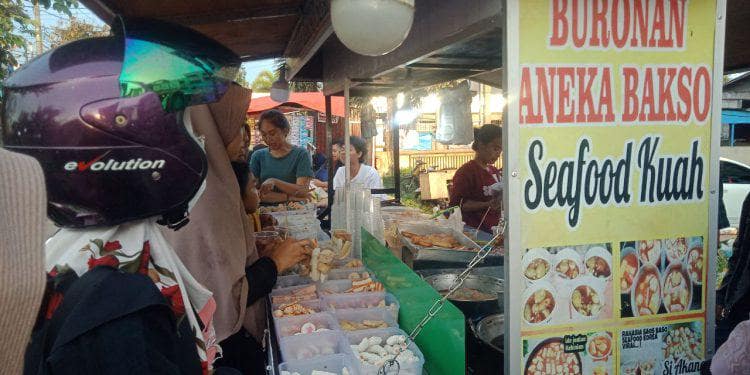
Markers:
<point>536,264</point>
<point>598,262</point>
<point>645,298</point>
<point>628,269</point>
<point>539,303</point>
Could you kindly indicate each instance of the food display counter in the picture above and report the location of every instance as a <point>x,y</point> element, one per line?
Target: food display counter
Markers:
<point>356,314</point>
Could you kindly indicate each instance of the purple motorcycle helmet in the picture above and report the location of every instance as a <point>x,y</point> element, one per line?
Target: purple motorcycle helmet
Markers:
<point>104,118</point>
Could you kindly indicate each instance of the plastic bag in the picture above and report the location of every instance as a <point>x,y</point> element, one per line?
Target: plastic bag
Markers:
<point>455,126</point>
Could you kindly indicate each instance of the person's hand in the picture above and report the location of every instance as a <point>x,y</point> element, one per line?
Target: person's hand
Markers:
<point>302,195</point>
<point>267,186</point>
<point>290,252</point>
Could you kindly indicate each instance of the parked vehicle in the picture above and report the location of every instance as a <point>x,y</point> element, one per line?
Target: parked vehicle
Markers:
<point>736,179</point>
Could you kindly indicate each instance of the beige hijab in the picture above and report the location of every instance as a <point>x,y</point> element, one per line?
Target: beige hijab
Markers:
<point>217,243</point>
<point>23,209</point>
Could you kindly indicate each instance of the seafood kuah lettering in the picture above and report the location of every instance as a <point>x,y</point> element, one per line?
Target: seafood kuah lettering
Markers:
<point>585,181</point>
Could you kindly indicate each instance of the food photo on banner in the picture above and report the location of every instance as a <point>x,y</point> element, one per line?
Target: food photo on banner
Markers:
<point>567,284</point>
<point>664,349</point>
<point>583,353</point>
<point>661,276</point>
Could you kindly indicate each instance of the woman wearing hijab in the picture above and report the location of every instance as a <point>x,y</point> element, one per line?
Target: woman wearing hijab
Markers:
<point>23,205</point>
<point>118,299</point>
<point>217,244</point>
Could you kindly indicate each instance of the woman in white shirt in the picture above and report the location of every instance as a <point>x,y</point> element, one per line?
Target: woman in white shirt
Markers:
<point>360,172</point>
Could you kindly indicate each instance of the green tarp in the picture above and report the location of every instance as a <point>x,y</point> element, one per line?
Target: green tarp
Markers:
<point>442,339</point>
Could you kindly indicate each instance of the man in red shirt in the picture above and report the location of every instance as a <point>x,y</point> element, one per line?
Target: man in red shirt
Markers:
<point>476,185</point>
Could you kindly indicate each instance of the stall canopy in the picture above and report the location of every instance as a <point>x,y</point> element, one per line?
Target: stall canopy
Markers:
<point>450,39</point>
<point>732,116</point>
<point>307,100</point>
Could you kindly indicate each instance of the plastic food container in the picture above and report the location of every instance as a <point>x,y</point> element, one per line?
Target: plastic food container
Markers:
<point>314,305</point>
<point>335,302</point>
<point>290,290</point>
<point>303,347</point>
<point>293,325</point>
<point>343,273</point>
<point>413,368</point>
<point>340,287</point>
<point>292,280</point>
<point>334,364</point>
<point>345,317</point>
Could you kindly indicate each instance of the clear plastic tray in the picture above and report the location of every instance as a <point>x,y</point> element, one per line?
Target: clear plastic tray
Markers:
<point>335,302</point>
<point>294,348</point>
<point>290,290</point>
<point>413,368</point>
<point>292,325</point>
<point>339,287</point>
<point>333,363</point>
<point>360,315</point>
<point>292,280</point>
<point>426,229</point>
<point>312,304</point>
<point>343,273</point>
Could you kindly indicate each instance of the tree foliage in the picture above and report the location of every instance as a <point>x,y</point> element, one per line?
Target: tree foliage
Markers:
<point>241,77</point>
<point>16,25</point>
<point>75,30</point>
<point>264,80</point>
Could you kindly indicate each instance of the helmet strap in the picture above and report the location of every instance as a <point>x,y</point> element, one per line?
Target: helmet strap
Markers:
<point>175,219</point>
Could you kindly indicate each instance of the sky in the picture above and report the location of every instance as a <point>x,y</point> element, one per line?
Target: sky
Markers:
<point>51,18</point>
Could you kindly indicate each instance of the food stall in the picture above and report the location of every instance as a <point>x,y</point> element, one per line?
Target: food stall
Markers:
<point>607,267</point>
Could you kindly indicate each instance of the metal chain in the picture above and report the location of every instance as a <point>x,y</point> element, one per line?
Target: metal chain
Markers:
<point>438,305</point>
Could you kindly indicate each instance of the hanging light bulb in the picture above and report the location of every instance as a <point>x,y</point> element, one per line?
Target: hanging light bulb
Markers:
<point>372,27</point>
<point>280,88</point>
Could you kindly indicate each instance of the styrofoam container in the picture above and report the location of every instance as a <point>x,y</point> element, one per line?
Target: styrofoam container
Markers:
<point>333,363</point>
<point>360,315</point>
<point>302,347</point>
<point>291,281</point>
<point>292,325</point>
<point>413,368</point>
<point>335,302</point>
<point>311,304</point>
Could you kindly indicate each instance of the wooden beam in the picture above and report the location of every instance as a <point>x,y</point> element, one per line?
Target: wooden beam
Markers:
<point>311,31</point>
<point>236,15</point>
<point>462,67</point>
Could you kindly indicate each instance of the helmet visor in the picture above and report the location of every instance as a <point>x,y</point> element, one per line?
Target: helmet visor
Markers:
<point>180,65</point>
